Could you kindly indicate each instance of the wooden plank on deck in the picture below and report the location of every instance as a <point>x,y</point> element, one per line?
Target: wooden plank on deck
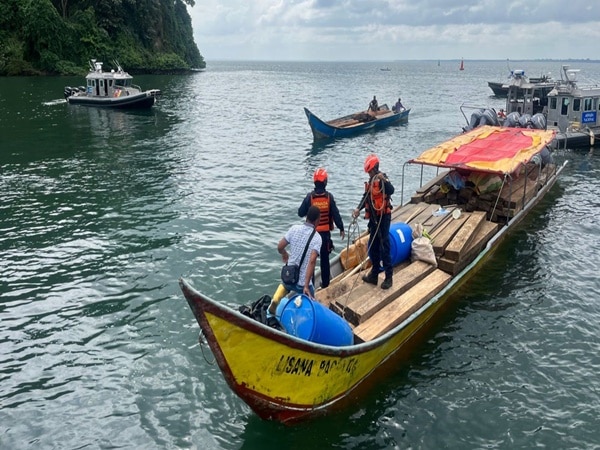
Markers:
<point>437,180</point>
<point>408,211</point>
<point>401,308</point>
<point>486,231</point>
<point>443,238</point>
<point>426,215</point>
<point>361,308</point>
<point>464,236</point>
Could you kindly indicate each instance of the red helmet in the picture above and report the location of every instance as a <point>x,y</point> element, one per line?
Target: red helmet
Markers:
<point>320,175</point>
<point>371,162</point>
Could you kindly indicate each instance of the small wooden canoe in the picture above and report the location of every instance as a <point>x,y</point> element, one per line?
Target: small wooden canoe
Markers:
<point>355,123</point>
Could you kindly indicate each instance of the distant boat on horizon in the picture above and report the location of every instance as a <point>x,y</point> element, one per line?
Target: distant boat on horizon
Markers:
<point>462,64</point>
<point>385,69</point>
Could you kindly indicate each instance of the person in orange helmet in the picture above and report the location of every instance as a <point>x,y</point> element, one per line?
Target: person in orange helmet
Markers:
<point>377,202</point>
<point>330,215</point>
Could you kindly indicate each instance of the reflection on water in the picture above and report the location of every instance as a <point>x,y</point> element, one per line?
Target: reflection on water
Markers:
<point>59,101</point>
<point>124,127</point>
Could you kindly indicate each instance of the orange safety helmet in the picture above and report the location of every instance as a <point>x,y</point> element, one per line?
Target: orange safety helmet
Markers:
<point>371,162</point>
<point>320,175</point>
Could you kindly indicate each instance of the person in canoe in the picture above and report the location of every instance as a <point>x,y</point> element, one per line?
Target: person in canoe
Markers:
<point>300,238</point>
<point>330,215</point>
<point>398,107</point>
<point>377,202</point>
<point>373,106</point>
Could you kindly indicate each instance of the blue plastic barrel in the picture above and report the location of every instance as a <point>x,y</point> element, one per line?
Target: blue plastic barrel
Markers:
<point>308,319</point>
<point>400,242</point>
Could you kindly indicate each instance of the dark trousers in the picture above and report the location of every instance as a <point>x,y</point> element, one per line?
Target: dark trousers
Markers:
<point>324,257</point>
<point>379,244</point>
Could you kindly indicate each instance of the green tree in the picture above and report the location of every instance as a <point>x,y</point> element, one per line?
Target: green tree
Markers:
<point>42,34</point>
<point>60,36</point>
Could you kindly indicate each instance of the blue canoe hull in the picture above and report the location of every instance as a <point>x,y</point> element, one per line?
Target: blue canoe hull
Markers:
<point>348,125</point>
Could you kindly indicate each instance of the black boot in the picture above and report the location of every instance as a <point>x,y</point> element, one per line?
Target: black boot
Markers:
<point>387,283</point>
<point>371,278</point>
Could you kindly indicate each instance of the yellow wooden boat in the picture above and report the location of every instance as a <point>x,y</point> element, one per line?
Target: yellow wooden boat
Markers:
<point>505,172</point>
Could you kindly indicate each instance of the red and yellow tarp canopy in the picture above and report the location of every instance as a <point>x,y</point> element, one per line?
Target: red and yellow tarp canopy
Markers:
<point>488,149</point>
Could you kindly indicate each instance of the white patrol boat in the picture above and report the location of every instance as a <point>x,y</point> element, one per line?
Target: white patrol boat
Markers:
<point>114,89</point>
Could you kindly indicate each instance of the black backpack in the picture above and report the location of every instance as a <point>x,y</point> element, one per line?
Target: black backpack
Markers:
<point>258,311</point>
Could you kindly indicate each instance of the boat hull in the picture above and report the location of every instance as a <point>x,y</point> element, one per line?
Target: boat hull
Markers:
<point>283,378</point>
<point>577,139</point>
<point>501,89</point>
<point>325,130</point>
<point>498,89</point>
<point>289,380</point>
<point>138,101</point>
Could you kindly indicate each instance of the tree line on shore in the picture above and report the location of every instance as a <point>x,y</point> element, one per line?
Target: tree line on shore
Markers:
<point>59,37</point>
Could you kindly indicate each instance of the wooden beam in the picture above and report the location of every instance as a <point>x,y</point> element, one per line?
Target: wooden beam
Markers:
<point>445,236</point>
<point>463,237</point>
<point>486,231</point>
<point>401,308</point>
<point>360,309</point>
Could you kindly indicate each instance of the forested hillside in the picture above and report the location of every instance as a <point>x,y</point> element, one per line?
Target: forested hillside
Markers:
<point>60,36</point>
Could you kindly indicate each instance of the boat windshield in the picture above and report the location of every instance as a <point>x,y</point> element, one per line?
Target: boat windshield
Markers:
<point>123,83</point>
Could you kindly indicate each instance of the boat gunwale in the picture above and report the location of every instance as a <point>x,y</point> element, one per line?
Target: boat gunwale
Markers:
<point>225,312</point>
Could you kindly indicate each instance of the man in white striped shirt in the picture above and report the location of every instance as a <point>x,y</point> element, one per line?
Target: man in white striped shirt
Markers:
<point>297,237</point>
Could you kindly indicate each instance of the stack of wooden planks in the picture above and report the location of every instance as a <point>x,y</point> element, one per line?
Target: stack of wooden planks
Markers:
<point>465,244</point>
<point>513,196</point>
<point>500,204</point>
<point>344,123</point>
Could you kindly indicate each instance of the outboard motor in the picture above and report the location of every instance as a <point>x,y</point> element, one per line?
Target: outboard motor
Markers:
<point>475,119</point>
<point>543,158</point>
<point>489,117</point>
<point>538,121</point>
<point>69,91</point>
<point>512,120</point>
<point>525,121</point>
<point>546,156</point>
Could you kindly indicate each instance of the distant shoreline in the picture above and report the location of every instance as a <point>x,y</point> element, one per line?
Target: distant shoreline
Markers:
<point>384,61</point>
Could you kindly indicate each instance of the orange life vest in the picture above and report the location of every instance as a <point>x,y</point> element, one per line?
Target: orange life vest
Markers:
<point>322,202</point>
<point>376,201</point>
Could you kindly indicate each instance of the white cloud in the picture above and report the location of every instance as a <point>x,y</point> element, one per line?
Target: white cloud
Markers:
<point>396,29</point>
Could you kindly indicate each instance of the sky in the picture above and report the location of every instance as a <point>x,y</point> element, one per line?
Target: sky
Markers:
<point>388,30</point>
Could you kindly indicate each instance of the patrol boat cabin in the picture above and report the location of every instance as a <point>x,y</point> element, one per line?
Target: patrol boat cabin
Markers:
<point>569,108</point>
<point>573,111</point>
